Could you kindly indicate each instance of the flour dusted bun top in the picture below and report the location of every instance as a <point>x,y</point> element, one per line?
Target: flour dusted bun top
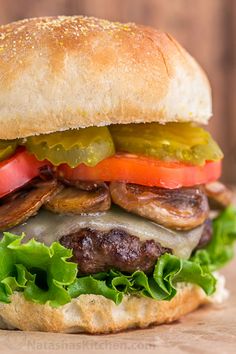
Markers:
<point>70,72</point>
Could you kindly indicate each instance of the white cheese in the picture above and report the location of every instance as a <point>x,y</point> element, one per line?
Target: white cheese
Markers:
<point>48,227</point>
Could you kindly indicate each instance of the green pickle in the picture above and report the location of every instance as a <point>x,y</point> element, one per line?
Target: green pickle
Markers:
<point>7,148</point>
<point>185,142</point>
<point>73,147</point>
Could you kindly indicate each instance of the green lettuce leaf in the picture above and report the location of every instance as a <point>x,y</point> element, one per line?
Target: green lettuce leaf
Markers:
<point>169,271</point>
<point>220,250</point>
<point>46,275</point>
<point>41,272</point>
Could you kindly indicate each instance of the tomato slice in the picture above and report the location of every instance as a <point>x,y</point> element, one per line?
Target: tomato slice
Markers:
<point>145,171</point>
<point>18,170</point>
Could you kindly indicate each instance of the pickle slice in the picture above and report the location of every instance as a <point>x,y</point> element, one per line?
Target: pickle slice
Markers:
<point>7,148</point>
<point>185,142</point>
<point>73,147</point>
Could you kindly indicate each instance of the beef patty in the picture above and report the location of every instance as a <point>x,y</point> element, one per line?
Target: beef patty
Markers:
<point>97,251</point>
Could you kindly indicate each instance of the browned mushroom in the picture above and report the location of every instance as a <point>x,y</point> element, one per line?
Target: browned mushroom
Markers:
<point>84,185</point>
<point>180,209</point>
<point>77,201</point>
<point>22,204</point>
<point>219,195</point>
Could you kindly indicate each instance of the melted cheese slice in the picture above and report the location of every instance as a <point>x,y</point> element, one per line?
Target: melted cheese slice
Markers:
<point>48,227</point>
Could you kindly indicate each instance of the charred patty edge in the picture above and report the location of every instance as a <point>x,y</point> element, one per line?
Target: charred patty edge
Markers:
<point>97,251</point>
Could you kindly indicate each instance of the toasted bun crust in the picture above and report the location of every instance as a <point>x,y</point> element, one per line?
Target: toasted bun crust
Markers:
<point>71,72</point>
<point>96,314</point>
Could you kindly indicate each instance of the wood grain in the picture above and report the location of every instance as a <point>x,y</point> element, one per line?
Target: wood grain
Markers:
<point>205,27</point>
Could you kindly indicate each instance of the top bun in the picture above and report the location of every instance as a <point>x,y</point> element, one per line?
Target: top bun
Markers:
<point>72,72</point>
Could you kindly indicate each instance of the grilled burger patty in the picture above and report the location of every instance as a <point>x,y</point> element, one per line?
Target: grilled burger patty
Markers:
<point>97,251</point>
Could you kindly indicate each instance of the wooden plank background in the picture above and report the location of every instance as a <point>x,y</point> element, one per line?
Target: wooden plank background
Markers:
<point>205,27</point>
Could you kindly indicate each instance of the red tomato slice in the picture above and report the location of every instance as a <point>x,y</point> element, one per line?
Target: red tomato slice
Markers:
<point>144,171</point>
<point>18,170</point>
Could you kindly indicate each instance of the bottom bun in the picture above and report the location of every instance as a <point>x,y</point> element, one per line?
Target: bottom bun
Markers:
<point>97,314</point>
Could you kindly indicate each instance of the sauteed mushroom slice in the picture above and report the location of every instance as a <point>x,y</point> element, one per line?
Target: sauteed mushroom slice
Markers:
<point>78,201</point>
<point>84,185</point>
<point>180,209</point>
<point>219,195</point>
<point>20,205</point>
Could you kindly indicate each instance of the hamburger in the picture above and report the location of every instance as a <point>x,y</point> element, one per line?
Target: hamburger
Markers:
<point>107,179</point>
